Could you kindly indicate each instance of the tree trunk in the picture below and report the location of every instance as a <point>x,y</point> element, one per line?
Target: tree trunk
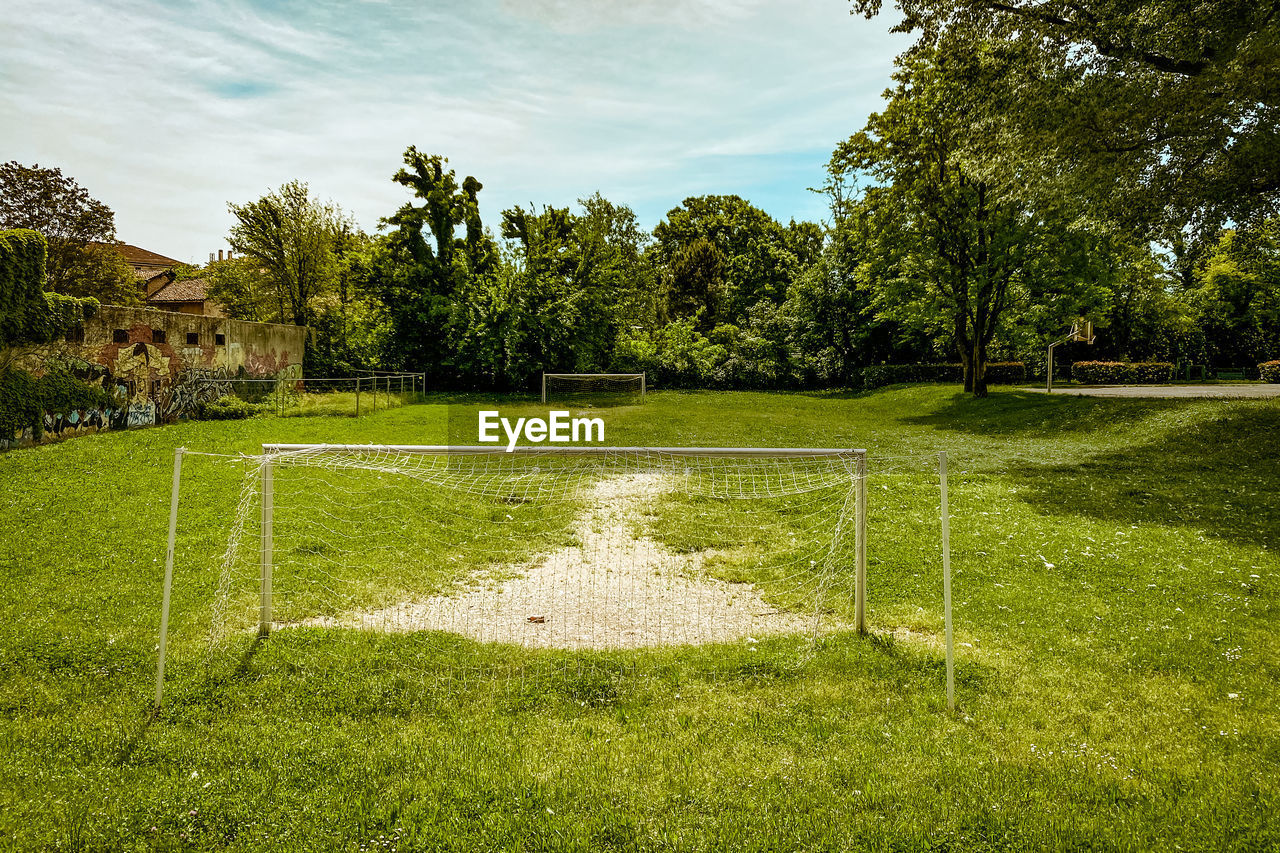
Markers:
<point>966,351</point>
<point>979,368</point>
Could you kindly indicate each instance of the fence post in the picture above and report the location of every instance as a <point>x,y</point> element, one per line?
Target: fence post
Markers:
<point>860,543</point>
<point>168,573</point>
<point>268,518</point>
<point>357,396</point>
<point>946,582</point>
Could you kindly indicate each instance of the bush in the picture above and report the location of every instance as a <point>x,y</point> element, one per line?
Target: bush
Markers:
<point>1006,373</point>
<point>1269,371</point>
<point>19,405</point>
<point>61,393</point>
<point>227,409</point>
<point>1121,372</point>
<point>998,373</point>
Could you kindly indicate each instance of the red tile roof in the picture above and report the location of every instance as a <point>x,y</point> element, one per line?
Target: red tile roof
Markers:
<point>141,257</point>
<point>191,290</point>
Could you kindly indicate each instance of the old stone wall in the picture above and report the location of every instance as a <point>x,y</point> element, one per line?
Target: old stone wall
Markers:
<point>162,364</point>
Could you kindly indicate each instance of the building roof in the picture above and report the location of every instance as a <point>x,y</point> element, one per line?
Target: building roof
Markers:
<point>141,257</point>
<point>191,290</point>
<point>149,275</point>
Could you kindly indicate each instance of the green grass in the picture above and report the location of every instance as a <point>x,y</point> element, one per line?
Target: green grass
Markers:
<point>1115,582</point>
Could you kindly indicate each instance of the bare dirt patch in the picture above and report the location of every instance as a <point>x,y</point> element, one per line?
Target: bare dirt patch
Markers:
<point>613,589</point>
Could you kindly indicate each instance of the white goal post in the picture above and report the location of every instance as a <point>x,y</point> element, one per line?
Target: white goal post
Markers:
<point>788,476</point>
<point>599,382</point>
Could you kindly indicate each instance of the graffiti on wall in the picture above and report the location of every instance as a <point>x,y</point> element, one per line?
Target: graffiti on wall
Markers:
<point>150,380</point>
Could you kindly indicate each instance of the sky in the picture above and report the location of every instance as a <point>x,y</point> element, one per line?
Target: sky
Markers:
<point>166,111</point>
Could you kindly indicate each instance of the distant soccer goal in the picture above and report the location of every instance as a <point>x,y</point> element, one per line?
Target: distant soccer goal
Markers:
<point>605,387</point>
<point>474,562</point>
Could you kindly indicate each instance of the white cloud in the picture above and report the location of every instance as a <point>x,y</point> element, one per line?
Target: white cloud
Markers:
<point>167,110</point>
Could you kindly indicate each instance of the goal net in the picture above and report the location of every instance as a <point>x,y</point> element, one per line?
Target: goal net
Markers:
<point>598,388</point>
<point>473,563</point>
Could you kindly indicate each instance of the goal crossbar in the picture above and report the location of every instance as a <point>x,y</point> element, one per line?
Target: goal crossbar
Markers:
<point>573,450</point>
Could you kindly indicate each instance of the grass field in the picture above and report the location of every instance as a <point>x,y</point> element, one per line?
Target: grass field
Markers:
<point>1116,611</point>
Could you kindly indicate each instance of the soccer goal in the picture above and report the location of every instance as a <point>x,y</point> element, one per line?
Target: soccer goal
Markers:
<point>481,563</point>
<point>623,387</point>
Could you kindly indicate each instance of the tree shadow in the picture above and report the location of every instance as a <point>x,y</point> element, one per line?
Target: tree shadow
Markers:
<point>1011,412</point>
<point>1219,474</point>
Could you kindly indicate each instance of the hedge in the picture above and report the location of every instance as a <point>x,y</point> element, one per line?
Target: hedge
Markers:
<point>227,409</point>
<point>1269,371</point>
<point>998,373</point>
<point>1121,372</point>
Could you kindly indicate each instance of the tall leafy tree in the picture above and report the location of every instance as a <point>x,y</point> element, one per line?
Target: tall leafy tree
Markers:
<point>426,265</point>
<point>1236,297</point>
<point>760,255</point>
<point>965,244</point>
<point>581,279</point>
<point>291,238</point>
<point>695,284</point>
<point>1163,113</point>
<point>79,229</point>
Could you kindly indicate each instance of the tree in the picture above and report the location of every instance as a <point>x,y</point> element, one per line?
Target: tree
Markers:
<point>695,284</point>
<point>579,281</point>
<point>291,238</point>
<point>962,240</point>
<point>843,319</point>
<point>424,267</point>
<point>760,255</point>
<point>240,286</point>
<point>1236,298</point>
<point>1164,114</point>
<point>79,230</point>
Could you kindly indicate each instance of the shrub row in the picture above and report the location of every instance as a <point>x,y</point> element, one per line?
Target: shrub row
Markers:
<point>1269,371</point>
<point>998,373</point>
<point>1121,372</point>
<point>228,409</point>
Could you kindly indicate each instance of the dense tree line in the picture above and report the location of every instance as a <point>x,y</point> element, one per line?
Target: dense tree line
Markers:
<point>931,253</point>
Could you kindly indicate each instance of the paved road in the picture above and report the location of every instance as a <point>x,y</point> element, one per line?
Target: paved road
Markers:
<point>1179,391</point>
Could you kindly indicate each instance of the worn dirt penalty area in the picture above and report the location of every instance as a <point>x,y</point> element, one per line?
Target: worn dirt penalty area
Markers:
<point>611,590</point>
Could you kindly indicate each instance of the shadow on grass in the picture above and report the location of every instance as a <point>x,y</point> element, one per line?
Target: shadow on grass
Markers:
<point>431,674</point>
<point>1219,475</point>
<point>1011,412</point>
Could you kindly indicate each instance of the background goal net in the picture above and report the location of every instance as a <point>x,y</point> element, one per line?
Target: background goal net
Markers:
<point>600,388</point>
<point>465,564</point>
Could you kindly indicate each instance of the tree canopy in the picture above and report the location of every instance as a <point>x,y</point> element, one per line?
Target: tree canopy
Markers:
<point>1163,114</point>
<point>290,237</point>
<point>79,230</point>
